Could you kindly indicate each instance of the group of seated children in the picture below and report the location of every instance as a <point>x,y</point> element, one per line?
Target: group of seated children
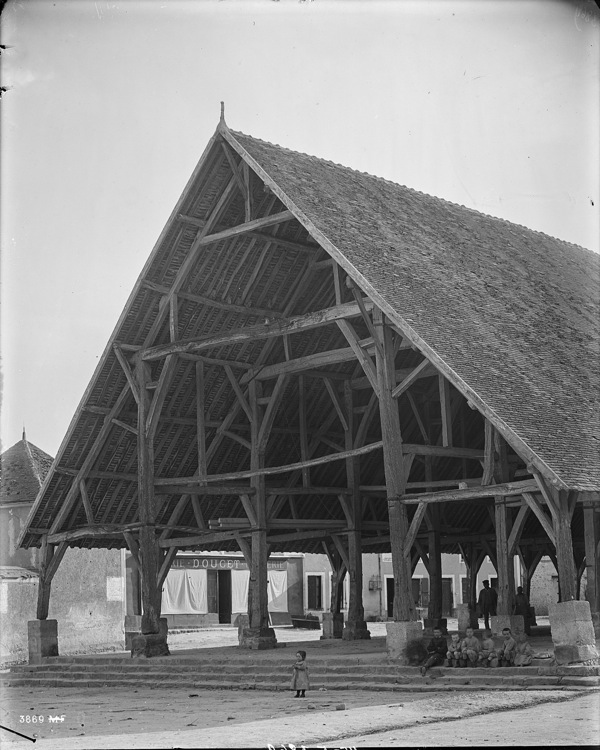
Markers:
<point>471,652</point>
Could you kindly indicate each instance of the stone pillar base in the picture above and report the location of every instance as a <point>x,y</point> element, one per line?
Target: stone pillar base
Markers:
<point>258,639</point>
<point>573,632</point>
<point>355,630</point>
<point>333,625</point>
<point>463,614</point>
<point>404,640</point>
<point>42,638</point>
<point>516,623</point>
<point>133,628</point>
<point>149,645</point>
<point>430,623</point>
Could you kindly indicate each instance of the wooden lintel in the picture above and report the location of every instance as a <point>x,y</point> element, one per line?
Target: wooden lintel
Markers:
<point>91,532</point>
<point>279,327</point>
<point>472,493</point>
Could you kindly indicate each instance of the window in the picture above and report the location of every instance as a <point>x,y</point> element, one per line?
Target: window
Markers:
<point>314,590</point>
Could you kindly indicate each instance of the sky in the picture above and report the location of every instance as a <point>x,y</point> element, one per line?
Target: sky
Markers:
<point>109,105</point>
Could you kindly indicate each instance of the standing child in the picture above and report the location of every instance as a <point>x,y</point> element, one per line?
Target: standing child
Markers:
<point>300,681</point>
<point>453,653</point>
<point>488,656</point>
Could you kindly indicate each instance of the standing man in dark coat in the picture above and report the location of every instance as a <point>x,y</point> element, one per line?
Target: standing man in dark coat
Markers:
<point>522,608</point>
<point>488,599</point>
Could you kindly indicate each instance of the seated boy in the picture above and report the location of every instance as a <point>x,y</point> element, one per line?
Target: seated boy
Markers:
<point>507,649</point>
<point>453,653</point>
<point>436,651</point>
<point>523,652</point>
<point>470,649</point>
<point>488,656</point>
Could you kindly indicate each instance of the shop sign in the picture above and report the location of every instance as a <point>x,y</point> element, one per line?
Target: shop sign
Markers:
<point>222,563</point>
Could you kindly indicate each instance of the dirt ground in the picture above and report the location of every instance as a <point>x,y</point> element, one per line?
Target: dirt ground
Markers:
<point>146,717</point>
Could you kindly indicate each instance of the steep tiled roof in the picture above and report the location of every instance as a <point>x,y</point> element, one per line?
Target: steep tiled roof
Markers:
<point>23,468</point>
<point>512,313</point>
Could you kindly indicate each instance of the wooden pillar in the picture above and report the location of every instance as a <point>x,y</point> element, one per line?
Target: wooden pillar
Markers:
<point>404,607</point>
<point>473,557</point>
<point>259,635</point>
<point>434,611</point>
<point>148,541</point>
<point>355,628</point>
<point>50,558</point>
<point>151,642</point>
<point>565,560</point>
<point>504,560</point>
<point>591,520</point>
<point>333,621</point>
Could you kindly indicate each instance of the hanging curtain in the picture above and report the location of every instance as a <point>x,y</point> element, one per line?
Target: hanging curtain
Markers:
<point>277,591</point>
<point>185,593</point>
<point>239,591</point>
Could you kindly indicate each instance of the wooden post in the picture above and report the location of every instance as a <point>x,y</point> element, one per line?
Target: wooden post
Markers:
<point>50,558</point>
<point>259,635</point>
<point>404,607</point>
<point>591,519</point>
<point>356,628</point>
<point>567,573</point>
<point>333,621</point>
<point>504,561</point>
<point>434,611</point>
<point>151,642</point>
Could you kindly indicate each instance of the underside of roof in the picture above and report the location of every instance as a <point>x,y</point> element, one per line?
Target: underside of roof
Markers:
<point>506,319</point>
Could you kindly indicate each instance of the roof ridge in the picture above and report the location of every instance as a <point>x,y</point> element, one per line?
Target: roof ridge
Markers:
<point>417,192</point>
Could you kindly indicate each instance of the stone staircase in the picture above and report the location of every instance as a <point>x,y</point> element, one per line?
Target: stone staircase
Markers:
<point>251,672</point>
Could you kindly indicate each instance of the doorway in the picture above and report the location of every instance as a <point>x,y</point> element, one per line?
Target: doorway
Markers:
<point>389,590</point>
<point>224,596</point>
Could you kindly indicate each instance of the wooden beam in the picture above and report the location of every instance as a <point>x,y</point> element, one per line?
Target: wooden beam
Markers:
<point>196,486</point>
<point>364,359</point>
<point>303,431</point>
<point>249,508</point>
<point>91,532</point>
<point>517,528</point>
<point>335,399</point>
<point>214,537</point>
<point>248,226</point>
<point>265,471</point>
<point>201,422</point>
<point>446,409</point>
<point>413,529</point>
<point>127,370</point>
<point>89,513</point>
<point>133,549</point>
<point>341,549</point>
<point>238,391</point>
<point>199,299</point>
<point>168,558</point>
<point>276,328</point>
<point>540,515</point>
<point>270,412</point>
<point>198,511</point>
<point>160,394</point>
<point>472,493</point>
<point>422,370</point>
<point>306,363</point>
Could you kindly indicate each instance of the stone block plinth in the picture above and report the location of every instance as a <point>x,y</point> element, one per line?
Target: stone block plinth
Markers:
<point>463,614</point>
<point>333,625</point>
<point>403,640</point>
<point>355,630</point>
<point>572,631</point>
<point>147,645</point>
<point>515,623</point>
<point>133,628</point>
<point>42,638</point>
<point>258,639</point>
